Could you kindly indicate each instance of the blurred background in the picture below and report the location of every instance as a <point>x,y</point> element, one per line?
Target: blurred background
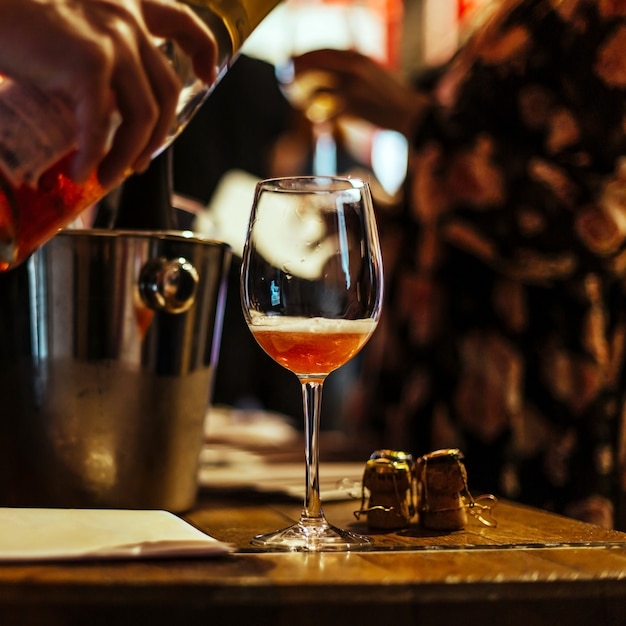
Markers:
<point>251,127</point>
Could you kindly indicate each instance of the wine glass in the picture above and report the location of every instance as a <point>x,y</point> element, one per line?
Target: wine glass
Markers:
<point>311,292</point>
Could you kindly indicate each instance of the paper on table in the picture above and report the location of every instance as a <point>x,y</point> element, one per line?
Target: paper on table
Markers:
<point>249,427</point>
<point>235,469</point>
<point>74,534</point>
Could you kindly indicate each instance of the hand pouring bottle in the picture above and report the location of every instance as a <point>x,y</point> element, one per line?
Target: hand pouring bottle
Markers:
<point>37,195</point>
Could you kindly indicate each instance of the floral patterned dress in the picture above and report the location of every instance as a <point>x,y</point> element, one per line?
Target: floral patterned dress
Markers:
<point>505,319</point>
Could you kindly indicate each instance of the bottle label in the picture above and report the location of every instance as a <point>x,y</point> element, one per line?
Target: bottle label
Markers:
<point>35,132</point>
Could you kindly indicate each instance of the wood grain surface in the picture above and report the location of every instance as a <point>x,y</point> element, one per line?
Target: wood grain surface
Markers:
<point>534,568</point>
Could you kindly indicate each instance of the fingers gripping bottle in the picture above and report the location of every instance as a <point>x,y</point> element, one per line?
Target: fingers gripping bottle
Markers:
<point>37,140</point>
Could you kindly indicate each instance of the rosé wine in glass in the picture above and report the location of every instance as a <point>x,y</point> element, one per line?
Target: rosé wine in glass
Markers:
<point>311,292</point>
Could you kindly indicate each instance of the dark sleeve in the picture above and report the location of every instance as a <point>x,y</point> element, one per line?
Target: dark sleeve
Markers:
<point>518,239</point>
<point>536,125</point>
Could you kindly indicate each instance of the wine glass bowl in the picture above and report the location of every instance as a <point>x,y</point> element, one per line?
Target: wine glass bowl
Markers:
<point>311,292</point>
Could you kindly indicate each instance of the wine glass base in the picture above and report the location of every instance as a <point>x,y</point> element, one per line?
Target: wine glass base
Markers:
<point>305,536</point>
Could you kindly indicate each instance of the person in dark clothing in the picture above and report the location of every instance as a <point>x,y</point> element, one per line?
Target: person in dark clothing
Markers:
<point>504,325</point>
<point>237,129</point>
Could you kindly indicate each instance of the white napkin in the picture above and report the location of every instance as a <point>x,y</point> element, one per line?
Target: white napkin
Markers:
<point>33,534</point>
<point>249,427</point>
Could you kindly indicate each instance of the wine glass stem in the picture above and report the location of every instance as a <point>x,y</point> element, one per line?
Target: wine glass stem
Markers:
<point>312,401</point>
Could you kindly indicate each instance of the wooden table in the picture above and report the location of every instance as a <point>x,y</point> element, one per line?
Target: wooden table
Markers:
<point>533,569</point>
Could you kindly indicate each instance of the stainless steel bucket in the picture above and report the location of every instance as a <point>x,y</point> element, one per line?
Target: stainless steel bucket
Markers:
<point>108,345</point>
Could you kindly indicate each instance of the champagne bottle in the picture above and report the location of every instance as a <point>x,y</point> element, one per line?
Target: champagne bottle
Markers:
<point>145,200</point>
<point>37,195</point>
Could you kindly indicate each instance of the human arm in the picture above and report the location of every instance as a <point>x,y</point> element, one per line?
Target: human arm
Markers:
<point>368,90</point>
<point>100,56</point>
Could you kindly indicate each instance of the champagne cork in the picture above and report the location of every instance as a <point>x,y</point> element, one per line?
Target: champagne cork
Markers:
<point>388,477</point>
<point>441,481</point>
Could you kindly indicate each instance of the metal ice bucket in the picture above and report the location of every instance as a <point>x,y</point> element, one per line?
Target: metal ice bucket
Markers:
<point>108,345</point>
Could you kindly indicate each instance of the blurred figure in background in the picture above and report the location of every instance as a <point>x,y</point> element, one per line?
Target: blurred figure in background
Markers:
<point>246,131</point>
<point>233,138</point>
<point>505,316</point>
<point>236,129</point>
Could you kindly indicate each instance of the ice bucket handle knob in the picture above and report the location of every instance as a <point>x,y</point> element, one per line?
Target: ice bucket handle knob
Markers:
<point>168,284</point>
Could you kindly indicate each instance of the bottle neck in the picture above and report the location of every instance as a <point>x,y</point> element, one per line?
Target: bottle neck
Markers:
<point>237,19</point>
<point>145,200</point>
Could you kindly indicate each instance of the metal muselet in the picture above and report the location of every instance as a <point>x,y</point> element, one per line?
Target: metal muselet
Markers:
<point>443,495</point>
<point>388,477</point>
